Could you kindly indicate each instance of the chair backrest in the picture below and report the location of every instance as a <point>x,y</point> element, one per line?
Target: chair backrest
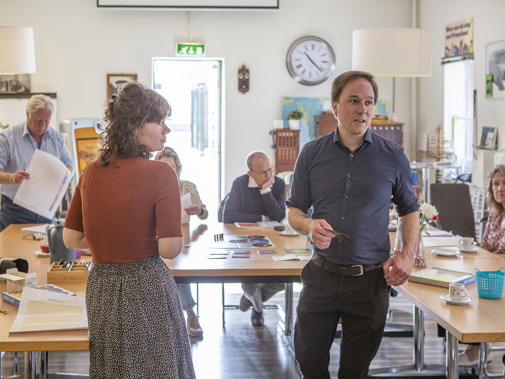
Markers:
<point>220,210</point>
<point>454,206</point>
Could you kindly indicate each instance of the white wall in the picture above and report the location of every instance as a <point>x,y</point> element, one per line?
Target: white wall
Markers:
<point>77,45</point>
<point>488,27</point>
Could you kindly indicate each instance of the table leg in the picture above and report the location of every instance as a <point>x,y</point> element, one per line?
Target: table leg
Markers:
<point>426,185</point>
<point>44,364</point>
<point>288,315</point>
<point>451,358</point>
<point>418,339</point>
<point>482,358</point>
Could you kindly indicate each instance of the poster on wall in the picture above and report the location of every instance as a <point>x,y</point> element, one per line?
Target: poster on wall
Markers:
<point>310,108</point>
<point>495,66</point>
<point>459,38</point>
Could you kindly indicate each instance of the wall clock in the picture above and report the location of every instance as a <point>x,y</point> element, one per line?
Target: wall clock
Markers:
<point>310,60</point>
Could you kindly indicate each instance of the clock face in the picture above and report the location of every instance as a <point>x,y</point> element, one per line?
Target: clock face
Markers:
<point>310,60</point>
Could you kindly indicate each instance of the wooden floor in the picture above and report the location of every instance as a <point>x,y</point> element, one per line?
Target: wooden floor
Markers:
<point>239,350</point>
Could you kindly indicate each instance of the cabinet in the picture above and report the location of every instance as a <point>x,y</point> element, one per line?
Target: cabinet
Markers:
<point>286,148</point>
<point>392,131</point>
<point>326,123</point>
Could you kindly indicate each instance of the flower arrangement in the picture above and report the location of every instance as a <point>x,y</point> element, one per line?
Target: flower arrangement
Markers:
<point>427,213</point>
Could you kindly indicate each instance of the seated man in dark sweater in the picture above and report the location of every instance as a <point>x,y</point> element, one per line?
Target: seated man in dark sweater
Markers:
<point>256,196</point>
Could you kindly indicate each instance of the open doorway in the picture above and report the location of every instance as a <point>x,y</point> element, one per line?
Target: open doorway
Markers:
<point>193,88</point>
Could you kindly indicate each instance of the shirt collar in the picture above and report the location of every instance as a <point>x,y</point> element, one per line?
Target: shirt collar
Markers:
<point>25,129</point>
<point>367,138</point>
<point>252,183</point>
<point>27,132</point>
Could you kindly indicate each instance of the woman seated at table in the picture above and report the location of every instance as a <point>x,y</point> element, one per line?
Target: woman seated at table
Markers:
<point>168,155</point>
<point>493,241</point>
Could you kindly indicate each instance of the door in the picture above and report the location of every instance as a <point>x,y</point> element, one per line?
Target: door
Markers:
<point>192,87</point>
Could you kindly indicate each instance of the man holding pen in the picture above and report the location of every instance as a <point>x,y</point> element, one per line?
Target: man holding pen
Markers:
<point>350,177</point>
<point>17,146</point>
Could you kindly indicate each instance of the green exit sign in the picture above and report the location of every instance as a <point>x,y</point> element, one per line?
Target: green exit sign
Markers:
<point>190,48</point>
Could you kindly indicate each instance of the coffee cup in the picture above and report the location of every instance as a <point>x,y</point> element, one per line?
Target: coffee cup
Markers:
<point>457,291</point>
<point>466,242</point>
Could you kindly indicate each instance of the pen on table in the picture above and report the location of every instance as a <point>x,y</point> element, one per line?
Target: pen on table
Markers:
<point>427,233</point>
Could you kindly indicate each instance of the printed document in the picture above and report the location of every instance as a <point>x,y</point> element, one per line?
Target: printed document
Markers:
<point>49,180</point>
<point>41,310</point>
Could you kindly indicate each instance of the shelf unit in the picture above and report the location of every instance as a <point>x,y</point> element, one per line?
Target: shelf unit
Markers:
<point>287,146</point>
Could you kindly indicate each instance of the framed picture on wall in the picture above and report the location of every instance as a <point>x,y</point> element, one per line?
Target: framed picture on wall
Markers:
<point>11,84</point>
<point>495,66</point>
<point>488,137</point>
<point>116,82</point>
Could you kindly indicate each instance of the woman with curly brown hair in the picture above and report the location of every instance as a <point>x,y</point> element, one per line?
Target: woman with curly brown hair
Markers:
<point>127,210</point>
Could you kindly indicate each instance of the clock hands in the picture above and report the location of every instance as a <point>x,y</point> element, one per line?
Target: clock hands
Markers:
<point>311,61</point>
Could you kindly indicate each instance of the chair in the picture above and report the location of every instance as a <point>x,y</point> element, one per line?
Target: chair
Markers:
<point>454,206</point>
<point>221,207</point>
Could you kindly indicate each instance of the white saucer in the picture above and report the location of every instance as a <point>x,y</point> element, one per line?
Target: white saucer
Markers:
<point>472,249</point>
<point>41,254</point>
<point>289,233</point>
<point>463,301</point>
<point>446,252</point>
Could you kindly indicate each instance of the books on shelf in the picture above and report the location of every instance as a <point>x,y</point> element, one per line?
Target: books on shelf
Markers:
<point>14,297</point>
<point>441,277</point>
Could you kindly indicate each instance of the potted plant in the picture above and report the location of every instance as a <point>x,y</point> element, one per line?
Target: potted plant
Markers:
<point>294,118</point>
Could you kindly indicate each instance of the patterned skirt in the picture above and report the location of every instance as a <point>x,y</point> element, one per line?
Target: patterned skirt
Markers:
<point>136,324</point>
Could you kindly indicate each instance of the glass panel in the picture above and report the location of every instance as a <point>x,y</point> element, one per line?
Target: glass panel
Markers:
<point>192,88</point>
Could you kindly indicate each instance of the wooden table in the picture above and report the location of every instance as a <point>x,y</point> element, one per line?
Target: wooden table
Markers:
<point>14,242</point>
<point>481,321</point>
<point>192,265</point>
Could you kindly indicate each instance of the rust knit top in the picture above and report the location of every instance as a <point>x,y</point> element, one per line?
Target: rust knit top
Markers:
<point>124,207</point>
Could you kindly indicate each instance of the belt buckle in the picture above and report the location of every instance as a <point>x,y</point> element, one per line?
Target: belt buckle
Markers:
<point>361,269</point>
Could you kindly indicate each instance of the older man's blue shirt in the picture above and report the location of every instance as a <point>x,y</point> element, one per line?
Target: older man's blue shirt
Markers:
<point>353,191</point>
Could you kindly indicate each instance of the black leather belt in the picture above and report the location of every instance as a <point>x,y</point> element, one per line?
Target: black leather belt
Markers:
<point>354,270</point>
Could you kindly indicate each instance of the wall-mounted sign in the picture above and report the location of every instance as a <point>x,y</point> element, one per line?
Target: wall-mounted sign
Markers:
<point>459,38</point>
<point>190,48</point>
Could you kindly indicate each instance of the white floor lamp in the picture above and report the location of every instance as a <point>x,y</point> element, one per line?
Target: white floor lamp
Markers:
<point>395,52</point>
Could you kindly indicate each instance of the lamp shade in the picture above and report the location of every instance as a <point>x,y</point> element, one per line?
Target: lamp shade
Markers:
<point>392,52</point>
<point>17,52</point>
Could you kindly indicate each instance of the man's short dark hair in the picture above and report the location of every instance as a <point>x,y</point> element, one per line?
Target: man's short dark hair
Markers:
<point>342,80</point>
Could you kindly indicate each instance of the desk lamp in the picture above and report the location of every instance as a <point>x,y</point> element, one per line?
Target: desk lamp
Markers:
<point>18,52</point>
<point>395,52</point>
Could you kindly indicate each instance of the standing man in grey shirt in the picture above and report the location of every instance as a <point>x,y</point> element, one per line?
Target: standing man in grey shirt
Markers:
<point>350,177</point>
<point>17,146</point>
